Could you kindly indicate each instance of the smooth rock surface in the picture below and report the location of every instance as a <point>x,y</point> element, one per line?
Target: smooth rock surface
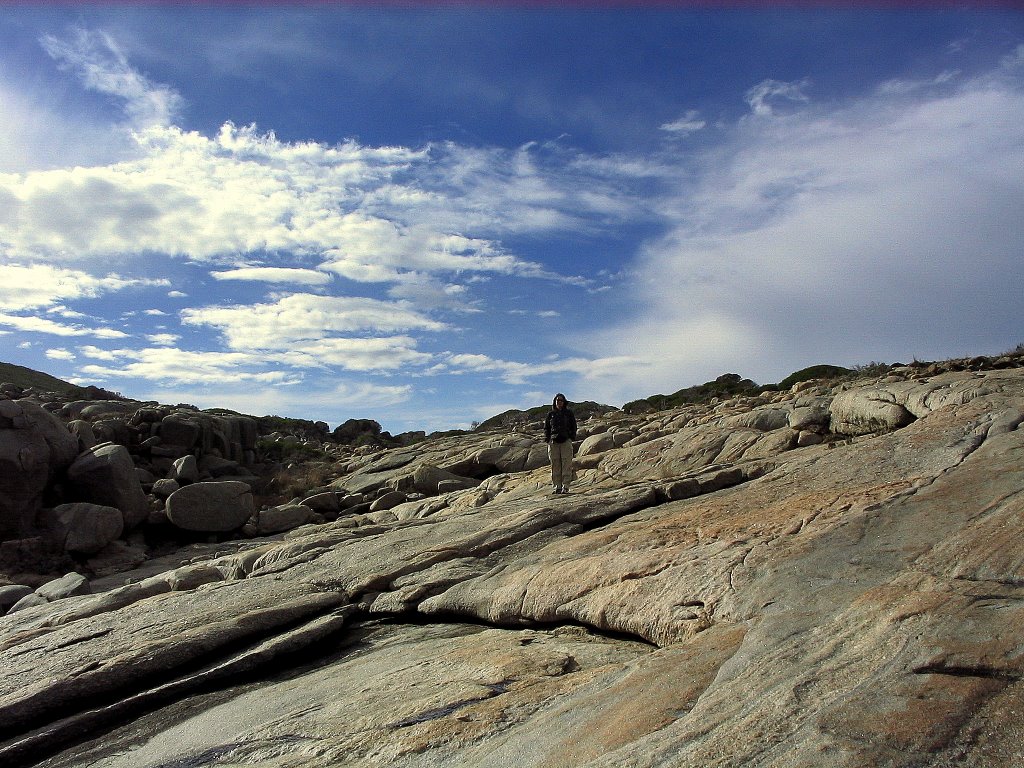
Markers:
<point>713,597</point>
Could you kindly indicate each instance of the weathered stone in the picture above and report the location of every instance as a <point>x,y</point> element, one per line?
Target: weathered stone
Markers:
<point>388,501</point>
<point>68,585</point>
<point>87,528</point>
<point>28,601</point>
<point>211,506</point>
<point>762,419</point>
<point>165,487</point>
<point>98,410</point>
<point>83,431</point>
<point>427,477</point>
<point>185,470</point>
<point>596,444</point>
<point>705,598</point>
<point>328,501</point>
<point>117,557</point>
<point>11,594</point>
<point>865,411</point>
<point>34,447</point>
<point>106,475</point>
<point>214,466</point>
<point>809,418</point>
<point>806,437</point>
<point>283,518</point>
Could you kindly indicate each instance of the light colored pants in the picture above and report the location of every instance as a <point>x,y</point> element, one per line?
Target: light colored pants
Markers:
<point>561,463</point>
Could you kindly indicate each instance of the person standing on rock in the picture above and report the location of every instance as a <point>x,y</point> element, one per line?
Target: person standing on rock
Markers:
<point>559,432</point>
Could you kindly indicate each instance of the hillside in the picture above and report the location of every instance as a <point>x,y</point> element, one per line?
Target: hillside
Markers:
<point>26,377</point>
<point>828,575</point>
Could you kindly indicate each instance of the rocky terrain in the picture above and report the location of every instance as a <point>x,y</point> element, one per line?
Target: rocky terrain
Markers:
<point>828,575</point>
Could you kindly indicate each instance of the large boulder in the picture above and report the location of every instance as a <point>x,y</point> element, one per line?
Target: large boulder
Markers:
<point>34,446</point>
<point>87,528</point>
<point>867,411</point>
<point>106,475</point>
<point>211,507</point>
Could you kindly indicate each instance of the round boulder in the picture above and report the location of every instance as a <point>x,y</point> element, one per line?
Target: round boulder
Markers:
<point>211,507</point>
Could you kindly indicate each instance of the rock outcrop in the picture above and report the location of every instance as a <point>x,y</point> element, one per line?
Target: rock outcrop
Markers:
<point>711,593</point>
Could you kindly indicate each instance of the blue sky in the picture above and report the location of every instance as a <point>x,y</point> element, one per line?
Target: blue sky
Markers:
<point>427,216</point>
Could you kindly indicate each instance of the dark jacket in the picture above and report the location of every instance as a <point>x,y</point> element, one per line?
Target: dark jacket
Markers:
<point>560,424</point>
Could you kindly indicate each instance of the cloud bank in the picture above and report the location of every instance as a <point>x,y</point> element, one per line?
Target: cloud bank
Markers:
<point>886,227</point>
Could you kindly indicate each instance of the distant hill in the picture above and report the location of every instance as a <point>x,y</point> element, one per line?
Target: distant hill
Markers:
<point>726,385</point>
<point>582,411</point>
<point>27,377</point>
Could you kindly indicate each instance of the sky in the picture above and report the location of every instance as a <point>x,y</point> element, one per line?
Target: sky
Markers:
<point>427,214</point>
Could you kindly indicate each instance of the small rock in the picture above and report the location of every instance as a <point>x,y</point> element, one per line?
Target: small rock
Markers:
<point>68,585</point>
<point>28,601</point>
<point>388,501</point>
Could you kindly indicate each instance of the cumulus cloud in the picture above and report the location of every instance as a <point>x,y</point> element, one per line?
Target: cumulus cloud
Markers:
<point>304,317</point>
<point>163,339</point>
<point>164,364</point>
<point>24,287</point>
<point>368,214</point>
<point>888,226</point>
<point>59,354</point>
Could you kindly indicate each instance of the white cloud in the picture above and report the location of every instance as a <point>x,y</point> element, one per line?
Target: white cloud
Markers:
<point>163,339</point>
<point>685,125</point>
<point>100,354</point>
<point>176,295</point>
<point>366,395</point>
<point>41,285</point>
<point>274,275</point>
<point>882,228</point>
<point>96,58</point>
<point>42,325</point>
<point>164,364</point>
<point>375,354</point>
<point>304,317</point>
<point>512,372</point>
<point>761,95</point>
<point>59,354</point>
